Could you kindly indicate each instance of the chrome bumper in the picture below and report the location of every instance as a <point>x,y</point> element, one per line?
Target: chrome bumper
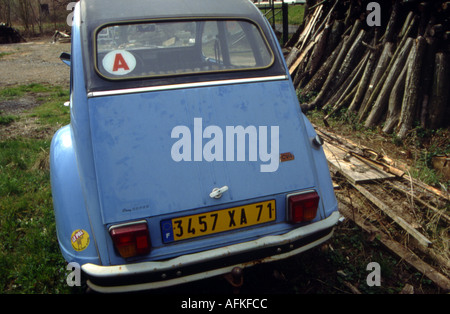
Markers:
<point>191,267</point>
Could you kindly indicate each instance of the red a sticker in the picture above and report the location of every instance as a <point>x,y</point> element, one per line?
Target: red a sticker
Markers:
<point>120,63</point>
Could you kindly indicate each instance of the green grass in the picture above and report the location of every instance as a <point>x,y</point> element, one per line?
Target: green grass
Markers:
<point>7,119</point>
<point>30,260</point>
<point>12,92</point>
<point>295,14</point>
<point>3,54</point>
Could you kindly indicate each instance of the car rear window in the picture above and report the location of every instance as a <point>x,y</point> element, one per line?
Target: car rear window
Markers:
<point>179,47</point>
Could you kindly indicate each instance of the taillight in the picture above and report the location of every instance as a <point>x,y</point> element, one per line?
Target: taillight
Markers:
<point>303,207</point>
<point>131,239</point>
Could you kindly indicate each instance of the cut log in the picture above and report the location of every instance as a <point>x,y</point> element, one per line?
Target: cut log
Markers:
<point>301,57</point>
<point>334,37</point>
<point>386,85</point>
<point>406,25</point>
<point>375,93</point>
<point>390,28</point>
<point>379,70</point>
<point>427,78</point>
<point>321,75</point>
<point>318,51</point>
<point>395,102</point>
<point>348,87</point>
<point>362,85</point>
<point>412,88</point>
<point>440,98</point>
<point>348,41</point>
<point>292,56</point>
<point>350,61</point>
<point>309,27</point>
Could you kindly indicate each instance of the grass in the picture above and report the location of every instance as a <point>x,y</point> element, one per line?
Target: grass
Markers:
<point>7,119</point>
<point>30,261</point>
<point>295,14</point>
<point>12,92</point>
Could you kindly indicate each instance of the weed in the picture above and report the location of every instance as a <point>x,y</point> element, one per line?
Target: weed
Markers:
<point>9,93</point>
<point>304,99</point>
<point>7,120</point>
<point>3,54</point>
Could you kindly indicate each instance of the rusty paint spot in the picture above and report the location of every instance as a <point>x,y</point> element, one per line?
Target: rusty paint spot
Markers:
<point>286,157</point>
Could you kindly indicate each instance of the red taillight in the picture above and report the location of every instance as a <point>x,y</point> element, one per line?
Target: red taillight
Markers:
<point>131,239</point>
<point>303,207</point>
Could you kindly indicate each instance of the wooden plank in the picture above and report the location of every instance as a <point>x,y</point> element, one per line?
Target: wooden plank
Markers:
<point>399,220</point>
<point>412,259</point>
<point>352,168</point>
<point>440,212</point>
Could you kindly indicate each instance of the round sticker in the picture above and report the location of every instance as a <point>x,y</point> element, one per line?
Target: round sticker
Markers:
<point>80,240</point>
<point>119,62</point>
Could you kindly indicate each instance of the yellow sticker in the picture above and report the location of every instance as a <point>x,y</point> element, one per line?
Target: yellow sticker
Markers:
<point>80,240</point>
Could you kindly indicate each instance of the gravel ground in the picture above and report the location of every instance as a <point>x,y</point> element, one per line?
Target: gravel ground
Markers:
<point>36,61</point>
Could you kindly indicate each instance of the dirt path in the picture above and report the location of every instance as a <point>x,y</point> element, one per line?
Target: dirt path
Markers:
<point>36,61</point>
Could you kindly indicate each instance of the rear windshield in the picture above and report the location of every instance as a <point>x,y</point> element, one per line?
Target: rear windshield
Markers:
<point>168,48</point>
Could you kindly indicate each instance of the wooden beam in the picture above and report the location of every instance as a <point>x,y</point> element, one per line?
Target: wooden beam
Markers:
<point>355,170</point>
<point>424,241</point>
<point>412,259</point>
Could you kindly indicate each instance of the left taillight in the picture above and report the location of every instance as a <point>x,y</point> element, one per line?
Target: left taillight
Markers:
<point>131,239</point>
<point>303,207</point>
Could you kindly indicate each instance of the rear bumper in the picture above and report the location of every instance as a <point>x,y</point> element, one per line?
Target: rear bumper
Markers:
<point>187,268</point>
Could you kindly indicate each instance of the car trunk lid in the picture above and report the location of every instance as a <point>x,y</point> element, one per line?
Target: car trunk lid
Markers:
<point>165,151</point>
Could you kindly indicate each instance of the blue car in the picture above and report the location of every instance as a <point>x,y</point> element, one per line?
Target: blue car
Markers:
<point>187,155</point>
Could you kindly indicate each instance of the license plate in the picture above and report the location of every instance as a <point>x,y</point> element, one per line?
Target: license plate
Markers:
<point>193,226</point>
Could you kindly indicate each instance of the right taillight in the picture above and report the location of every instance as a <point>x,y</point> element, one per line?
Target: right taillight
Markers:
<point>303,207</point>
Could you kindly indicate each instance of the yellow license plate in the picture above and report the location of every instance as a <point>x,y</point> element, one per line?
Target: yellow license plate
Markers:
<point>193,226</point>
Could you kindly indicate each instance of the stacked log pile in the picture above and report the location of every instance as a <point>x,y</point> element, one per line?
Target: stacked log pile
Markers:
<point>388,67</point>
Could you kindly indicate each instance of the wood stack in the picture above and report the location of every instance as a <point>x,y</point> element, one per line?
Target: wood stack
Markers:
<point>395,75</point>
